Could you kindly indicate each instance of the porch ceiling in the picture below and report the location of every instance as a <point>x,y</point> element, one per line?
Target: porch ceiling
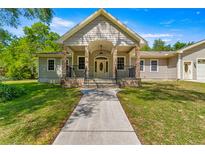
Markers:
<point>119,48</point>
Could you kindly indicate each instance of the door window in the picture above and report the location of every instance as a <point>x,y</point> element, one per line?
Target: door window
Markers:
<point>101,66</point>
<point>186,67</point>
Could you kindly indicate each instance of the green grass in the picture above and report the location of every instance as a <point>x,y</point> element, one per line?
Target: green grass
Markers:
<point>37,117</point>
<point>166,112</point>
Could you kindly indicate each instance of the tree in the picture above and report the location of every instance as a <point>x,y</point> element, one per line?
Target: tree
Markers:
<point>168,48</point>
<point>5,37</point>
<point>40,38</point>
<point>178,45</point>
<point>19,59</point>
<point>10,17</point>
<point>145,48</point>
<point>158,45</point>
<point>190,43</point>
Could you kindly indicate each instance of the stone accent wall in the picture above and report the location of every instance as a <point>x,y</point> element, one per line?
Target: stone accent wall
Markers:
<point>73,83</point>
<point>130,83</point>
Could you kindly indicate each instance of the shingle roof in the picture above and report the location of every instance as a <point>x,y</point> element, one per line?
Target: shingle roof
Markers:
<point>157,54</point>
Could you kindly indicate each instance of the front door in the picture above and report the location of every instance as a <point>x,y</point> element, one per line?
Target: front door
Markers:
<point>187,70</point>
<point>101,68</point>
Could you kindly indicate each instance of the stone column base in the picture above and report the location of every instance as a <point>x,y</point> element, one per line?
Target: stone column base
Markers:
<point>130,82</point>
<point>72,83</point>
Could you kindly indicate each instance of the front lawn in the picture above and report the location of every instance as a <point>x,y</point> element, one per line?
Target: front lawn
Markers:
<point>168,112</point>
<point>37,116</point>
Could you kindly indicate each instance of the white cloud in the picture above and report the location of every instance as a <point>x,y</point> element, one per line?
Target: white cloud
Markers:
<point>167,22</point>
<point>156,35</point>
<point>59,22</point>
<point>198,12</point>
<point>166,40</point>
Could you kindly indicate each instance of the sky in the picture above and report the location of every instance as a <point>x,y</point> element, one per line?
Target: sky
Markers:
<point>171,25</point>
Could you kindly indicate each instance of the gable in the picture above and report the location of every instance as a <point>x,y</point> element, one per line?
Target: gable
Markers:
<point>194,47</point>
<point>100,29</point>
<point>195,51</point>
<point>80,39</point>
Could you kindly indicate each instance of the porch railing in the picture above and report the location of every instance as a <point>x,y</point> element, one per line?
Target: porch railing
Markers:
<point>73,71</point>
<point>126,72</point>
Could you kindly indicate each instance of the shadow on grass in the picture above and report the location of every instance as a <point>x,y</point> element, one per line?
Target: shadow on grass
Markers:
<point>161,91</point>
<point>39,96</point>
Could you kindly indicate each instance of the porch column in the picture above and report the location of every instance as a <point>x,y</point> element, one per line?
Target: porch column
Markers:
<point>114,66</point>
<point>64,65</point>
<point>87,61</point>
<point>179,66</point>
<point>137,62</point>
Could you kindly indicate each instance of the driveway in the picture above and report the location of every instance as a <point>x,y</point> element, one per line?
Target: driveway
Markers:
<point>98,119</point>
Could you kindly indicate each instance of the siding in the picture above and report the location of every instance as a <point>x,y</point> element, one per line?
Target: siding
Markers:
<point>192,55</point>
<point>100,29</point>
<point>79,73</point>
<point>172,68</point>
<point>166,69</point>
<point>50,76</point>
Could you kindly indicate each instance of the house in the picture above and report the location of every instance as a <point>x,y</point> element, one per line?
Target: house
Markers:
<point>101,47</point>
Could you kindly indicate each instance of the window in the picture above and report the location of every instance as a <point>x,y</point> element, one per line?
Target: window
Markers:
<point>142,65</point>
<point>51,65</point>
<point>120,63</point>
<point>106,66</point>
<point>201,61</point>
<point>81,63</point>
<point>154,66</point>
<point>95,66</point>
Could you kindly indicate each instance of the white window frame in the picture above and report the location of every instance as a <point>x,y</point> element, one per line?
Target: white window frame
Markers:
<point>124,62</point>
<point>54,64</point>
<point>78,61</point>
<point>143,65</point>
<point>151,65</point>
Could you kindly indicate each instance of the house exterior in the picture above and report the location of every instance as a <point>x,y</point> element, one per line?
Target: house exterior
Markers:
<point>102,47</point>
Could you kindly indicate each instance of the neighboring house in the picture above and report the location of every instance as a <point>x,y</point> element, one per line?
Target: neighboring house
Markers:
<point>103,47</point>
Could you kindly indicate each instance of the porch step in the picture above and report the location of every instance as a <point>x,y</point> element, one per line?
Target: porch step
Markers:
<point>100,83</point>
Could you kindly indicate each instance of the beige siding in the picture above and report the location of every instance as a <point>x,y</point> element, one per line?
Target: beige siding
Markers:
<point>172,68</point>
<point>192,55</point>
<point>50,76</point>
<point>100,29</point>
<point>166,69</point>
<point>77,54</point>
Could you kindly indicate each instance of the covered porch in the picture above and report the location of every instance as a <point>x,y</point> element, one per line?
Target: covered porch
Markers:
<point>101,47</point>
<point>101,59</point>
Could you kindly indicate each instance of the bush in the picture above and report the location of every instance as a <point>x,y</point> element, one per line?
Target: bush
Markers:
<point>8,92</point>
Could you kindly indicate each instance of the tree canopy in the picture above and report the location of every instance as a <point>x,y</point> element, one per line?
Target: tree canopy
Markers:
<point>11,17</point>
<point>160,45</point>
<point>18,59</point>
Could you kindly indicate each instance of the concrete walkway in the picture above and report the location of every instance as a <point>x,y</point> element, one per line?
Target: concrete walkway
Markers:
<point>98,119</point>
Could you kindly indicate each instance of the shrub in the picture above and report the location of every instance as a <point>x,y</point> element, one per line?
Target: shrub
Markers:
<point>8,92</point>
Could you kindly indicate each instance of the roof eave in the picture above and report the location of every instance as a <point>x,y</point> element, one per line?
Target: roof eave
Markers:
<point>191,46</point>
<point>99,12</point>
